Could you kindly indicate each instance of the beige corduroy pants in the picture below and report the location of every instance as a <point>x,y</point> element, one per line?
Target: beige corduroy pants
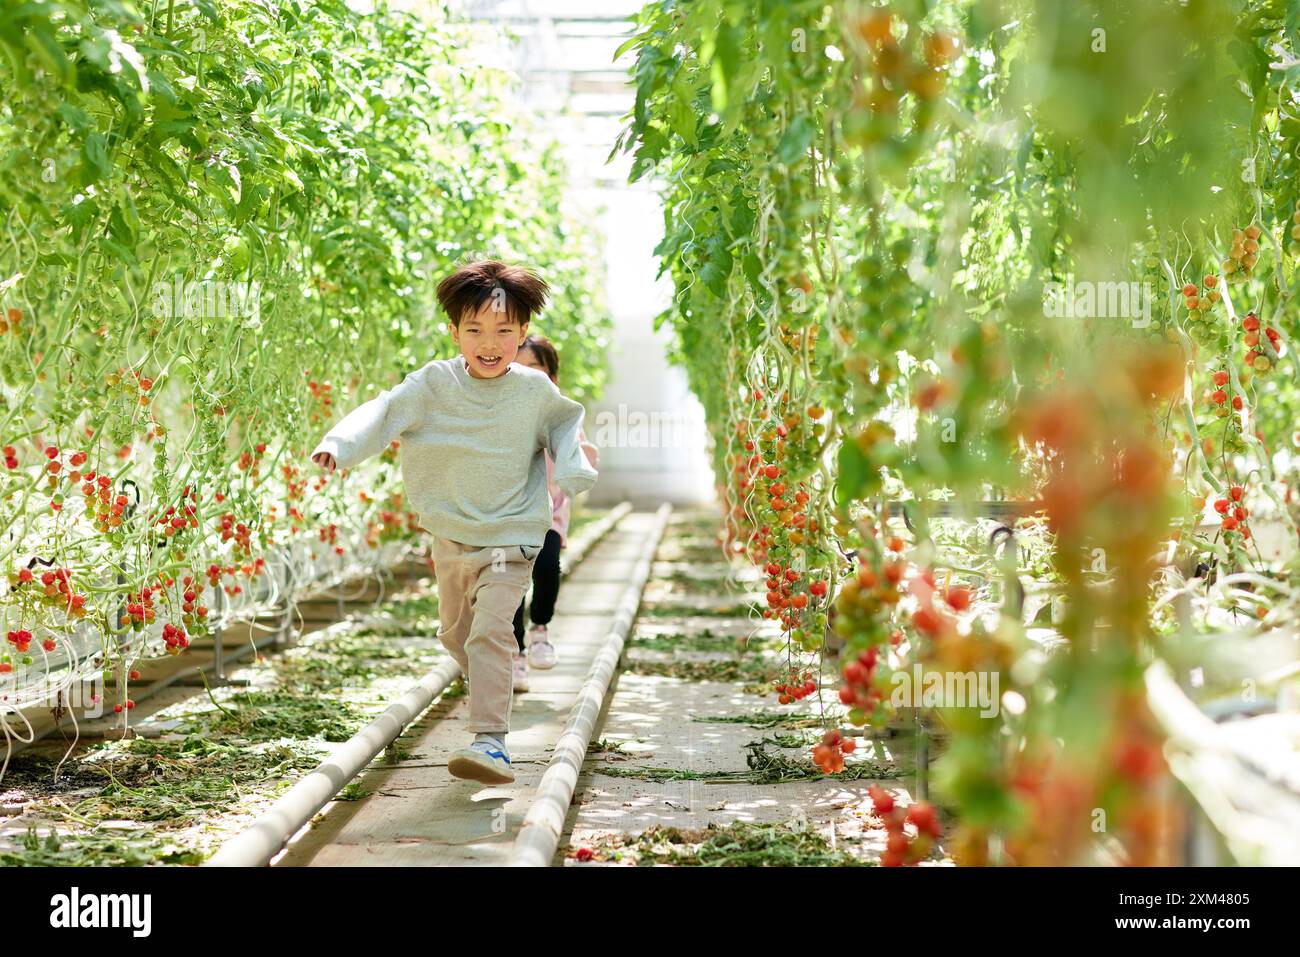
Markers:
<point>478,592</point>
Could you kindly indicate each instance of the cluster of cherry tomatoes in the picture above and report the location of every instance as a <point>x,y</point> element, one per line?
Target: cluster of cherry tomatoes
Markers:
<point>321,392</point>
<point>253,569</point>
<point>796,687</point>
<point>131,382</point>
<point>1199,303</point>
<point>782,599</point>
<point>174,638</point>
<point>393,523</point>
<point>935,620</point>
<point>251,461</point>
<point>194,611</point>
<point>894,71</point>
<point>140,608</point>
<point>173,523</point>
<point>21,640</point>
<point>1232,513</point>
<point>52,470</point>
<point>829,755</point>
<point>900,847</point>
<point>109,508</point>
<point>56,589</point>
<point>329,534</point>
<point>859,690</point>
<point>1259,358</point>
<point>239,532</point>
<point>1240,264</point>
<point>1220,396</point>
<point>864,610</point>
<point>775,515</point>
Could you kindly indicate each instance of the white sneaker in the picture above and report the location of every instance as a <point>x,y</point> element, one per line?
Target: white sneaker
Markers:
<point>485,761</point>
<point>521,672</point>
<point>541,653</point>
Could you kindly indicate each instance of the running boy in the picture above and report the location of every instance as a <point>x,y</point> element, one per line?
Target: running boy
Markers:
<point>475,430</point>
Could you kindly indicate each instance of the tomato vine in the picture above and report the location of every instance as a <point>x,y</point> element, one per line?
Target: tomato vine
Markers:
<point>1004,249</point>
<point>222,222</point>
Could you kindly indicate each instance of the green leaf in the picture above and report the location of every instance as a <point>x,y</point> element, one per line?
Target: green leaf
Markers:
<point>43,42</point>
<point>290,177</point>
<point>682,118</point>
<point>95,49</point>
<point>856,477</point>
<point>725,66</point>
<point>75,117</point>
<point>717,268</point>
<point>1022,157</point>
<point>714,279</point>
<point>79,216</point>
<point>648,78</point>
<point>681,110</point>
<point>209,10</point>
<point>119,251</point>
<point>161,87</point>
<point>795,141</point>
<point>95,164</point>
<point>626,45</point>
<point>121,227</point>
<point>742,220</point>
<point>251,201</point>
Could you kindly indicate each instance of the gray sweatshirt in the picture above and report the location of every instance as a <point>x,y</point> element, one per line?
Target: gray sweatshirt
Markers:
<point>472,449</point>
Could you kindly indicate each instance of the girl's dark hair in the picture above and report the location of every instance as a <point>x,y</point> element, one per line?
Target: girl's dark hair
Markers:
<point>518,291</point>
<point>545,352</point>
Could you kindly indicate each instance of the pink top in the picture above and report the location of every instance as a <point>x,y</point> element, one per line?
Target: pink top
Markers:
<point>561,505</point>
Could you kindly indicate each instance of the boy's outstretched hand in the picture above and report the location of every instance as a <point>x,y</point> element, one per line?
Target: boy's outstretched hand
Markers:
<point>324,460</point>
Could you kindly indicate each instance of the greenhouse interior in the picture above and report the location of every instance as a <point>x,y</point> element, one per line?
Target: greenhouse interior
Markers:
<point>572,434</point>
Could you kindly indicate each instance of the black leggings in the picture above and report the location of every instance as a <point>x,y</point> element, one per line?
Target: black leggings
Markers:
<point>546,587</point>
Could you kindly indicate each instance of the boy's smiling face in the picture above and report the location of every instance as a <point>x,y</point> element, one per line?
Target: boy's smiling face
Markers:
<point>489,340</point>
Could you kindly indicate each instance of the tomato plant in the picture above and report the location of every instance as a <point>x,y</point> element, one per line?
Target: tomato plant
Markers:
<point>222,222</point>
<point>999,251</point>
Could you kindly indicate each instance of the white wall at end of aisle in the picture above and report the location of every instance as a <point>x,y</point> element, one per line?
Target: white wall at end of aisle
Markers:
<point>648,425</point>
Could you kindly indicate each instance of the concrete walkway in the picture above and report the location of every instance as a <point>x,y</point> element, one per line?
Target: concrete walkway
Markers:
<point>698,727</point>
<point>413,813</point>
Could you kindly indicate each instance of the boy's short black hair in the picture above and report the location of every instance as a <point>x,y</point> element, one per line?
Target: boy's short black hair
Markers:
<point>519,292</point>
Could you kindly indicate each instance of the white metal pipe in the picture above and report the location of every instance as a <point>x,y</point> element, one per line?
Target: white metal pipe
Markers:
<point>540,833</point>
<point>269,833</point>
